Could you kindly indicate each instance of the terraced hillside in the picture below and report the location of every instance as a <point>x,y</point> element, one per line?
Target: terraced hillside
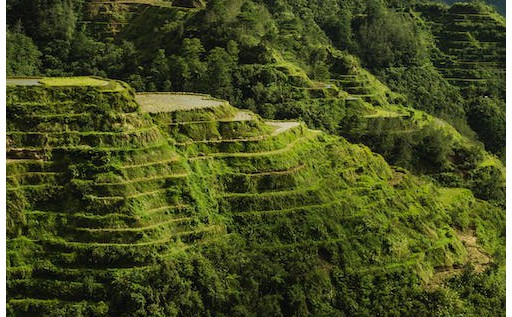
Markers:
<point>94,187</point>
<point>472,42</point>
<point>123,204</point>
<point>367,111</point>
<point>112,16</point>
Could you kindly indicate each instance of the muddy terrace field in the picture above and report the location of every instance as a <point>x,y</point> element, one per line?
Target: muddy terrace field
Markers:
<point>169,102</point>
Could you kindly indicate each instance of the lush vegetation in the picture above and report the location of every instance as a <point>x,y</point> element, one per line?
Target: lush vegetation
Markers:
<point>500,5</point>
<point>213,211</point>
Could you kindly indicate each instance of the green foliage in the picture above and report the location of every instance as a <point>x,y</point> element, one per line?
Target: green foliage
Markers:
<point>42,20</point>
<point>213,212</point>
<point>386,38</point>
<point>487,117</point>
<point>23,57</point>
<point>427,90</point>
<point>483,293</point>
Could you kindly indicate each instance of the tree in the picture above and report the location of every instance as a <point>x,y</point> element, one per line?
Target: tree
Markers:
<point>22,55</point>
<point>487,117</point>
<point>387,38</point>
<point>219,74</point>
<point>187,68</point>
<point>159,71</point>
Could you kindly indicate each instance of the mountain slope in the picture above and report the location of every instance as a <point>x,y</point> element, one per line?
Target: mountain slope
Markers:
<point>180,204</point>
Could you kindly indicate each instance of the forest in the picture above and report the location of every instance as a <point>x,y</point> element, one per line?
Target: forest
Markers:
<point>351,162</point>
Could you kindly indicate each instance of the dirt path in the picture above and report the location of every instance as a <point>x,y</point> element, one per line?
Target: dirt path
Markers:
<point>476,257</point>
<point>281,126</point>
<point>242,116</point>
<point>22,81</point>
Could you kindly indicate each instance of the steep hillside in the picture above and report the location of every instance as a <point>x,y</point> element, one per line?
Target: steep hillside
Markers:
<point>472,42</point>
<point>167,204</point>
<point>500,5</point>
<point>266,55</point>
<point>302,77</point>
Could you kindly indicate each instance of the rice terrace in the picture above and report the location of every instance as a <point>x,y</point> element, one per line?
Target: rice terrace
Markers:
<point>255,158</point>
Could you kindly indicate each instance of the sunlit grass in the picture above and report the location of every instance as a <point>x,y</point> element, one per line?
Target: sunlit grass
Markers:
<point>73,81</point>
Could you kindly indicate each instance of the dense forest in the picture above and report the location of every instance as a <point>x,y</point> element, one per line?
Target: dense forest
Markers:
<point>395,208</point>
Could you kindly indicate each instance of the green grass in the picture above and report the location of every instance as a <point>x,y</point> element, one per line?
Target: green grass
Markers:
<point>287,189</point>
<point>74,81</point>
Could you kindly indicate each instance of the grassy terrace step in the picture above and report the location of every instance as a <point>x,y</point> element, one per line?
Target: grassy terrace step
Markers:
<point>308,244</point>
<point>360,90</point>
<point>481,44</point>
<point>173,159</point>
<point>101,205</point>
<point>14,153</point>
<point>49,271</point>
<point>112,220</point>
<point>282,135</point>
<point>290,170</point>
<point>241,124</point>
<point>339,205</point>
<point>38,187</point>
<point>44,307</point>
<point>69,254</point>
<point>393,266</point>
<point>481,58</point>
<point>184,236</point>
<point>148,170</point>
<point>237,202</point>
<point>76,138</point>
<point>132,187</point>
<point>370,98</point>
<point>140,180</point>
<point>49,289</point>
<point>478,63</point>
<point>335,204</point>
<point>472,66</point>
<point>160,153</point>
<point>476,52</point>
<point>19,166</point>
<point>80,122</point>
<point>48,110</point>
<point>138,229</point>
<point>470,73</point>
<point>454,36</point>
<point>461,73</point>
<point>266,181</point>
<point>282,159</point>
<point>26,154</point>
<point>49,102</point>
<point>139,235</point>
<point>33,178</point>
<point>484,47</point>
<point>288,147</point>
<point>275,128</point>
<point>469,26</point>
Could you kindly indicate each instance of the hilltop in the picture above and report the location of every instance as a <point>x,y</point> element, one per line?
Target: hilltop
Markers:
<point>126,204</point>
